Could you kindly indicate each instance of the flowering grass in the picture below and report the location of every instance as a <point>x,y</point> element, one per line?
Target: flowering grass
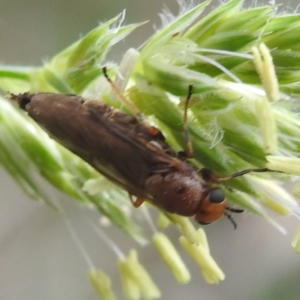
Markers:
<point>244,67</point>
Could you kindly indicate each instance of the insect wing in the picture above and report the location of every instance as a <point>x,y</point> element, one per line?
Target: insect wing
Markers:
<point>118,154</point>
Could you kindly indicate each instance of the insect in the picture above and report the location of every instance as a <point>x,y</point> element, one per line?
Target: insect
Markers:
<point>131,154</point>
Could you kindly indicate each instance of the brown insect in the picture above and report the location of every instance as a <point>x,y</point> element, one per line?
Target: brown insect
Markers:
<point>131,154</point>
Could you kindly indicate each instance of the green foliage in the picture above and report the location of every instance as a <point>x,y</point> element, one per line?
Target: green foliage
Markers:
<point>234,125</point>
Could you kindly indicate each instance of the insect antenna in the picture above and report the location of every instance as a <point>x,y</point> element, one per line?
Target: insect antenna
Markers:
<point>235,210</point>
<point>230,218</point>
<point>122,97</point>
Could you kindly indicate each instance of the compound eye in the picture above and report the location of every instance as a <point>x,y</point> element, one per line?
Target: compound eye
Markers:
<point>216,196</point>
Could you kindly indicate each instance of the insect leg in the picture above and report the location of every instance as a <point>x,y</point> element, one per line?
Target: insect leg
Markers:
<point>122,97</point>
<point>137,202</point>
<point>152,130</point>
<point>243,172</point>
<point>189,153</point>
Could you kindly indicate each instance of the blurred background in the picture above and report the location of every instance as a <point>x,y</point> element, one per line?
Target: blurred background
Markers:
<point>38,257</point>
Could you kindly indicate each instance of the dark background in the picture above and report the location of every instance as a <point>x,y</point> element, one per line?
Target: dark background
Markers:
<point>38,258</point>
